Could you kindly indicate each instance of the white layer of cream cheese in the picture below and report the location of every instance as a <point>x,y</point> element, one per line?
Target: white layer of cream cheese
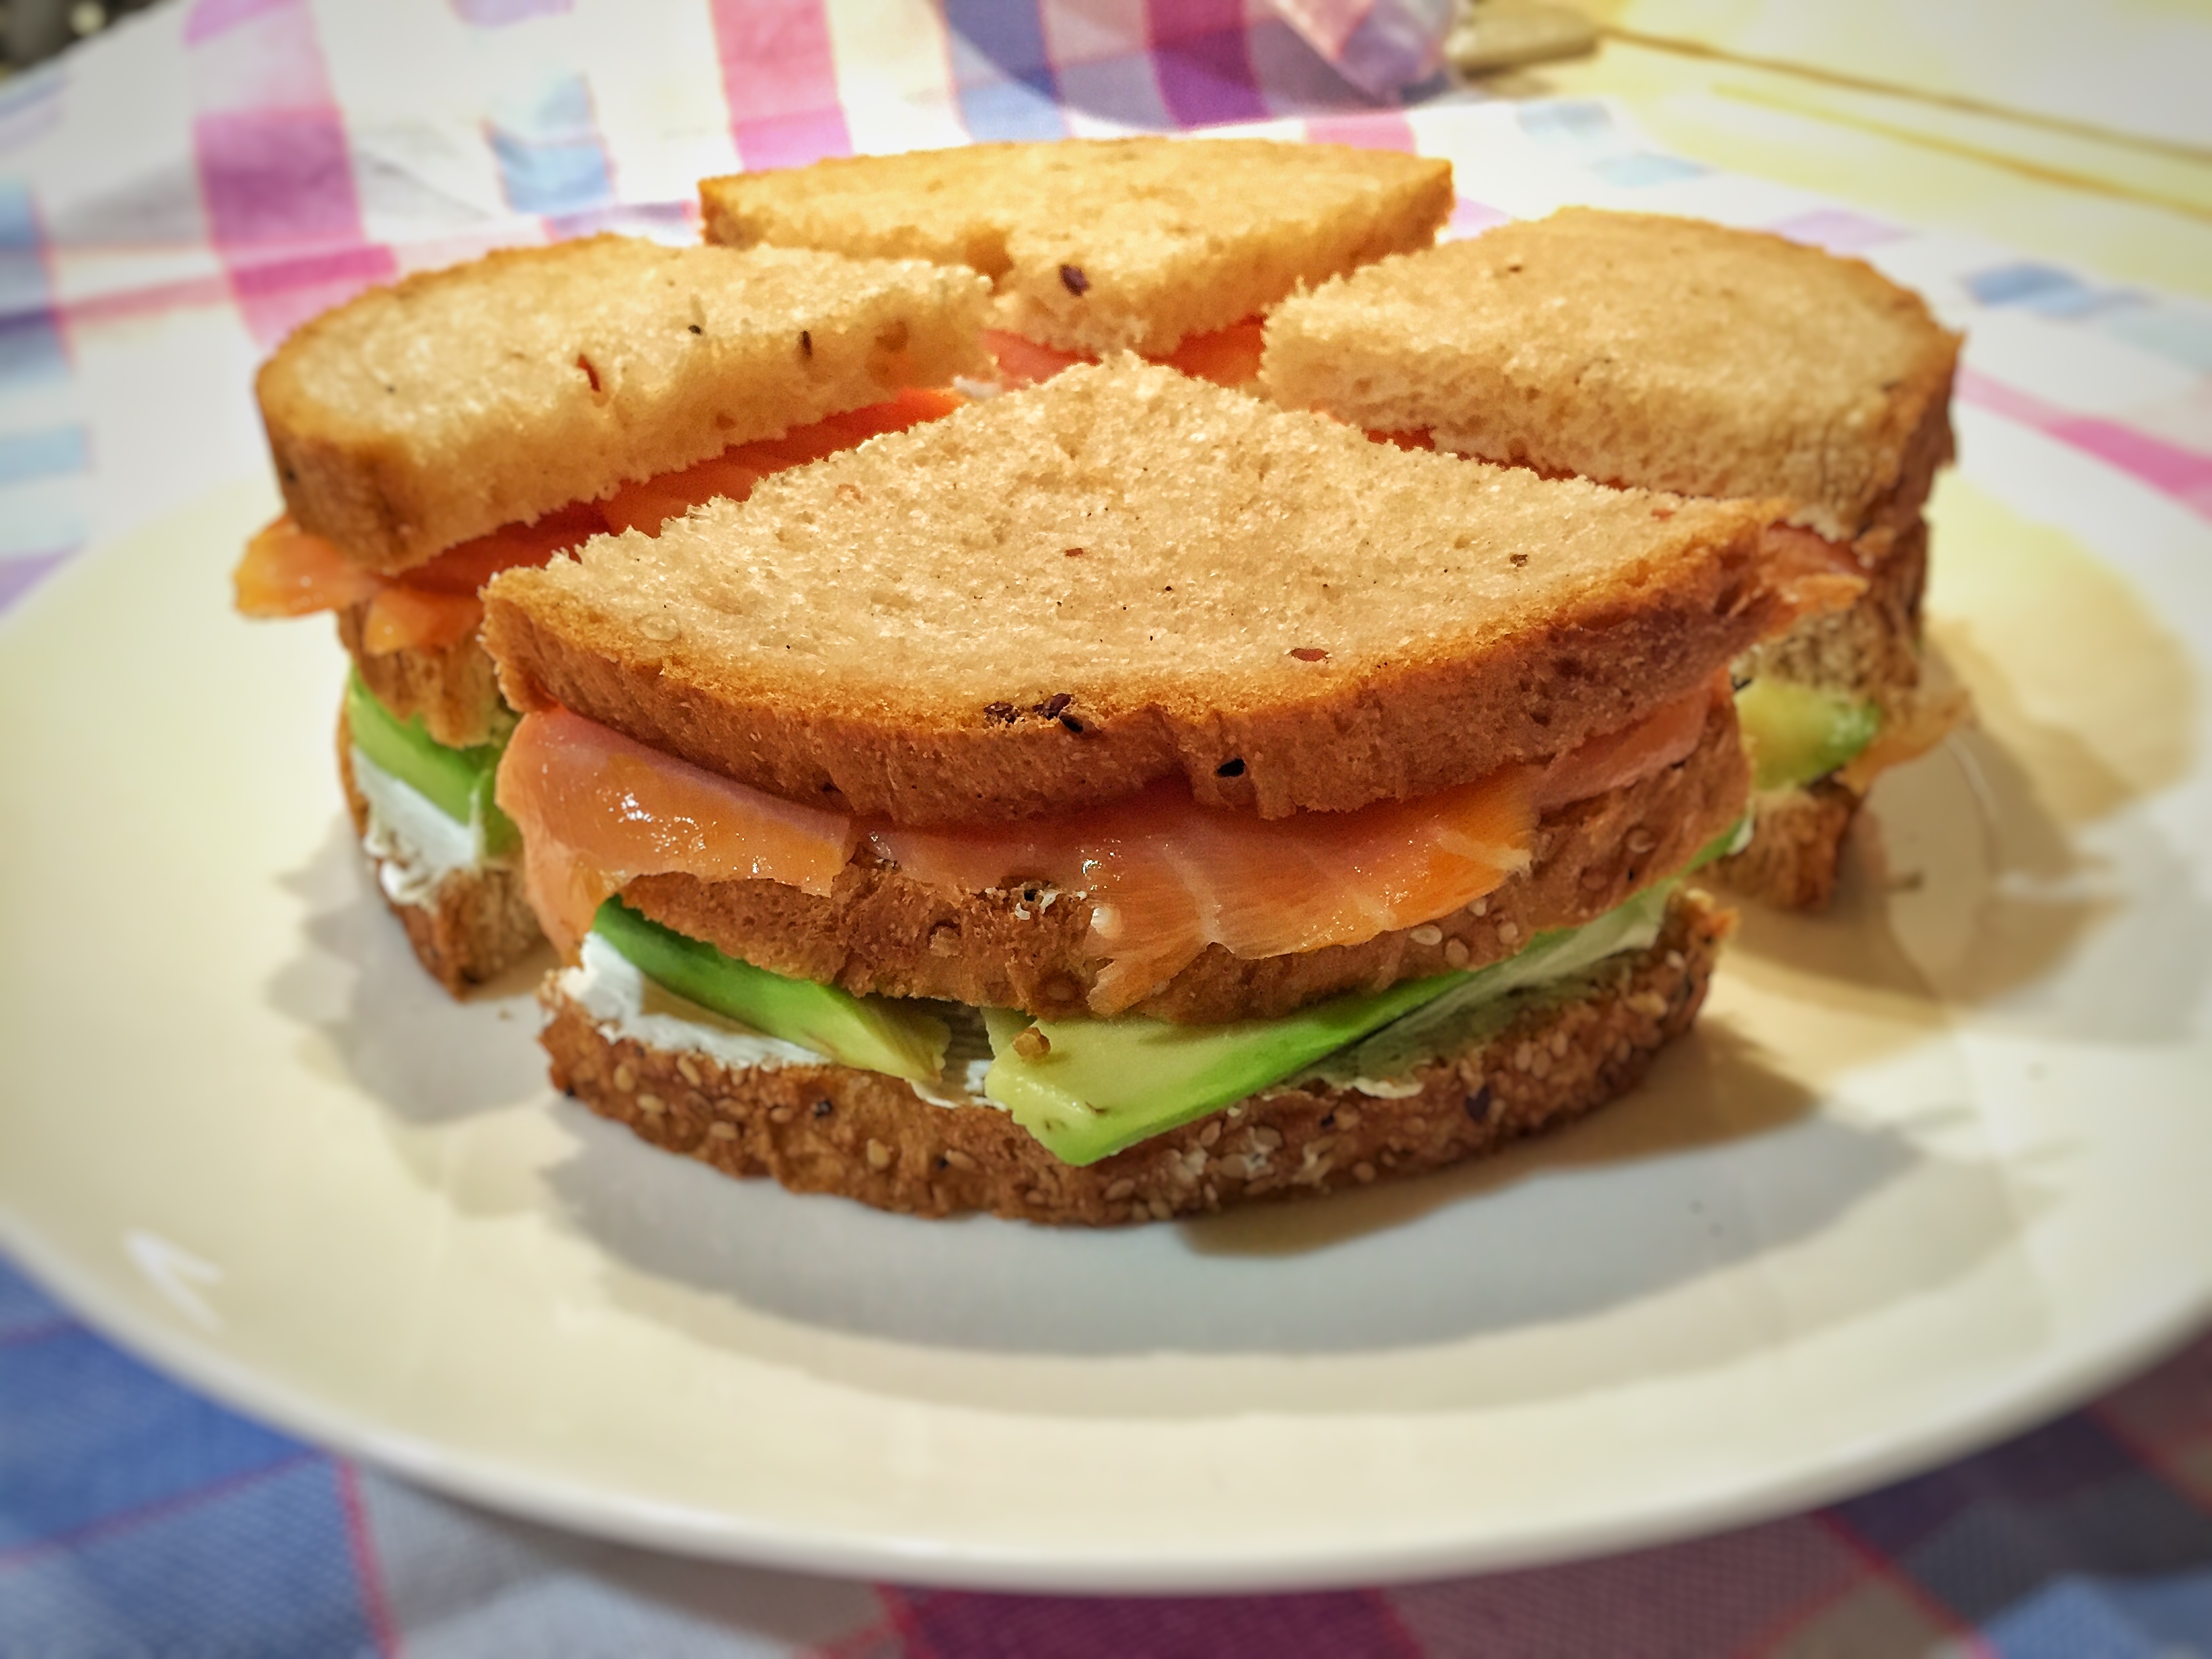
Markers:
<point>415,844</point>
<point>624,1003</point>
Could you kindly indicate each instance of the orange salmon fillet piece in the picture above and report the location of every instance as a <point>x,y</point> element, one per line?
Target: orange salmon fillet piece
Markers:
<point>290,572</point>
<point>1165,877</point>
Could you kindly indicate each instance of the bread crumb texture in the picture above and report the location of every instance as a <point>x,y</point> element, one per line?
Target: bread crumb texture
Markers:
<point>1633,348</point>
<point>880,931</point>
<point>419,414</point>
<point>1057,596</point>
<point>832,1129</point>
<point>1105,244</point>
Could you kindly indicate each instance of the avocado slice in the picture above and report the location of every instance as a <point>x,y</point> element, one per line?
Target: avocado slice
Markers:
<point>458,782</point>
<point>1105,1085</point>
<point>1796,734</point>
<point>876,1033</point>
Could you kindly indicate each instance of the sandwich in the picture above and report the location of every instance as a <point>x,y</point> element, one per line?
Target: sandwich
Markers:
<point>1170,249</point>
<point>1122,798</point>
<point>1673,355</point>
<point>497,414</point>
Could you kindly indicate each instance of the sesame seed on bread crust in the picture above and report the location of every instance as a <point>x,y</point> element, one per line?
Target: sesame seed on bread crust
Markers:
<point>1058,596</point>
<point>881,932</point>
<point>1632,348</point>
<point>827,1128</point>
<point>1104,245</point>
<point>415,416</point>
<point>477,924</point>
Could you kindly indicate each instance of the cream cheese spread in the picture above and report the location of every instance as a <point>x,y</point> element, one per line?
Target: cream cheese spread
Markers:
<point>625,1004</point>
<point>415,846</point>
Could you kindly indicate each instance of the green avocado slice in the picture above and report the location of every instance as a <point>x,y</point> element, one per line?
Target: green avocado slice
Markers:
<point>457,782</point>
<point>876,1033</point>
<point>1796,734</point>
<point>1105,1085</point>
<point>1108,1083</point>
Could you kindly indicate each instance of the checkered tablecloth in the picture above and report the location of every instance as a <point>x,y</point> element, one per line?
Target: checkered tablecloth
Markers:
<point>176,196</point>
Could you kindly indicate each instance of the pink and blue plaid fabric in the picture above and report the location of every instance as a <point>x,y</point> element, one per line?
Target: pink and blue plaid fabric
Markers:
<point>178,195</point>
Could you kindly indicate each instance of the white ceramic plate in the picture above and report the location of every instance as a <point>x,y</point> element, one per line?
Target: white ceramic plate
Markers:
<point>1934,1166</point>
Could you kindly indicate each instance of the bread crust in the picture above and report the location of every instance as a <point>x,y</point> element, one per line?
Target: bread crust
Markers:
<point>453,689</point>
<point>881,932</point>
<point>829,1128</point>
<point>1096,246</point>
<point>1582,610</point>
<point>1795,851</point>
<point>419,414</point>
<point>478,923</point>
<point>1758,367</point>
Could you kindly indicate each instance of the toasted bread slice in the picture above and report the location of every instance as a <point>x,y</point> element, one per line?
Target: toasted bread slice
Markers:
<point>1104,245</point>
<point>1662,353</point>
<point>418,415</point>
<point>1058,596</point>
<point>828,1128</point>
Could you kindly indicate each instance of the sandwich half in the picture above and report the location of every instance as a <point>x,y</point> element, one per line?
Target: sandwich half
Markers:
<point>1673,355</point>
<point>495,414</point>
<point>1167,248</point>
<point>1122,798</point>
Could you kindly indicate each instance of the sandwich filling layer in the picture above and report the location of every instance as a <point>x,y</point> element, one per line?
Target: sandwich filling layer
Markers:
<point>1162,878</point>
<point>1084,1089</point>
<point>289,572</point>
<point>430,809</point>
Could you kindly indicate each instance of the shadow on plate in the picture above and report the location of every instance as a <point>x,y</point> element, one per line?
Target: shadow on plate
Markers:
<point>1718,1167</point>
<point>370,1010</point>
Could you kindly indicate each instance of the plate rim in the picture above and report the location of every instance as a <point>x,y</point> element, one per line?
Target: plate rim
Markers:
<point>2034,1394</point>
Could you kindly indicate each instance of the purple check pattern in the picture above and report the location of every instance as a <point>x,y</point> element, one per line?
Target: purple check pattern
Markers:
<point>137,1517</point>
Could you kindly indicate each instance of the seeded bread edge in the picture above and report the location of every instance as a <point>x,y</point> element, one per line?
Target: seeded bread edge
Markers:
<point>829,1128</point>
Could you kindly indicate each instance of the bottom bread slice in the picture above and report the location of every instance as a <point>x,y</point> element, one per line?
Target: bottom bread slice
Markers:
<point>472,927</point>
<point>1796,846</point>
<point>829,1128</point>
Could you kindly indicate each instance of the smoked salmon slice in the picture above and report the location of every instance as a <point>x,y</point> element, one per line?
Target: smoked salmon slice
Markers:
<point>597,810</point>
<point>1164,877</point>
<point>290,572</point>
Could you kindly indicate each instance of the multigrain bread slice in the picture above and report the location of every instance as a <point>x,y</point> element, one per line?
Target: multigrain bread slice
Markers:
<point>472,927</point>
<point>419,415</point>
<point>1104,245</point>
<point>1056,597</point>
<point>827,1128</point>
<point>1667,353</point>
<point>879,930</point>
<point>1671,354</point>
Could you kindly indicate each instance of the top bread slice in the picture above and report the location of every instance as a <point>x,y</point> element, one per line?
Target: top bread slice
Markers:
<point>1637,349</point>
<point>420,415</point>
<point>1059,595</point>
<point>1104,245</point>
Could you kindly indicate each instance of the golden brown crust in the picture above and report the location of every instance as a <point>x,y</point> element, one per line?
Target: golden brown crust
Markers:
<point>881,932</point>
<point>831,1129</point>
<point>478,923</point>
<point>1456,617</point>
<point>417,415</point>
<point>1104,245</point>
<point>455,690</point>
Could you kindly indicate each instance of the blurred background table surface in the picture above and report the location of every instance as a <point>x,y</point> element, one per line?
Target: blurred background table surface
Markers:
<point>137,1517</point>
